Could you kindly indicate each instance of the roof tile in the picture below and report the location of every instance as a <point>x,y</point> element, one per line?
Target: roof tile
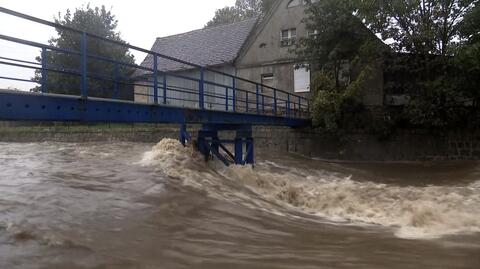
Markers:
<point>206,47</point>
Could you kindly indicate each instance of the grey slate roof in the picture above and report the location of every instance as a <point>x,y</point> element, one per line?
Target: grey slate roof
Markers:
<point>206,47</point>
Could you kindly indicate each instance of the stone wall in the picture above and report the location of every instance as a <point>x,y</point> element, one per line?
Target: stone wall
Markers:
<point>142,133</point>
<point>406,145</point>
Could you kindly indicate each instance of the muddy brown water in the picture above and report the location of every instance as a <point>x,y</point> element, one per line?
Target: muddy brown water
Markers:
<point>128,205</point>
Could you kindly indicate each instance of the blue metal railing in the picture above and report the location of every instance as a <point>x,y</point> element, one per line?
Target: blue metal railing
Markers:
<point>238,95</point>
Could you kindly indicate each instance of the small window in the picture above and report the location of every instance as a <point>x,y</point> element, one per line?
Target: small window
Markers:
<point>268,80</point>
<point>312,33</point>
<point>288,37</point>
<point>301,77</point>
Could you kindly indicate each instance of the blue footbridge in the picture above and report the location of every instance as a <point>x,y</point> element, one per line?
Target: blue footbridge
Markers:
<point>236,105</point>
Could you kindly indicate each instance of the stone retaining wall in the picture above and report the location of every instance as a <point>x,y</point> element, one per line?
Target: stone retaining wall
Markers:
<point>401,146</point>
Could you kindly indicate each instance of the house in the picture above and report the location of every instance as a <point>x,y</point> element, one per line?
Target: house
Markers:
<point>258,50</point>
<point>216,48</point>
<point>266,55</point>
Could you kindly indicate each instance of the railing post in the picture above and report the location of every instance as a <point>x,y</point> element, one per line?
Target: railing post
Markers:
<point>201,94</point>
<point>246,101</point>
<point>263,104</point>
<point>84,86</point>
<point>274,101</point>
<point>257,92</point>
<point>288,105</point>
<point>299,105</point>
<point>155,79</point>
<point>226,98</point>
<point>164,88</point>
<point>116,75</point>
<point>44,71</point>
<point>234,94</point>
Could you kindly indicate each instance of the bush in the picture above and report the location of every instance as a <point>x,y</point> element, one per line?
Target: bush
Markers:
<point>330,103</point>
<point>450,98</point>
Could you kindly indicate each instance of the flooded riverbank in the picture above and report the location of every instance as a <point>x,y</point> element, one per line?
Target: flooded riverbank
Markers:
<point>128,205</point>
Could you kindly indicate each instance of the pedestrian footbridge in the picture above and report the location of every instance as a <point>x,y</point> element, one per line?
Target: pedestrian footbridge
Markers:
<point>215,106</point>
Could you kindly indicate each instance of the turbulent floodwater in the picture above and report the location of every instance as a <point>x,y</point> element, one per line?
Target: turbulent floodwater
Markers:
<point>127,205</point>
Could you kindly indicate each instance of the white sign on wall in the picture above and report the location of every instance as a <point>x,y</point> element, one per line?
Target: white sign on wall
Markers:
<point>302,79</point>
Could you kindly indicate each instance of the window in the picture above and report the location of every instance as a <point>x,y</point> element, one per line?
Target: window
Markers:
<point>301,77</point>
<point>312,33</point>
<point>288,37</point>
<point>268,80</point>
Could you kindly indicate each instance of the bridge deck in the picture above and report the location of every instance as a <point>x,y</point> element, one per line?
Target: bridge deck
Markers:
<point>17,105</point>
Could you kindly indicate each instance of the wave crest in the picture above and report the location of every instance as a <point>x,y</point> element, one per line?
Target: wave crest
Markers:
<point>414,212</point>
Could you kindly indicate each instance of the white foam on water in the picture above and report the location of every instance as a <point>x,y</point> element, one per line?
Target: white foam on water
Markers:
<point>413,212</point>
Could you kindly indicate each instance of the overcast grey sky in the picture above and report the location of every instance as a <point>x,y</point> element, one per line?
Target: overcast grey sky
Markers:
<point>139,21</point>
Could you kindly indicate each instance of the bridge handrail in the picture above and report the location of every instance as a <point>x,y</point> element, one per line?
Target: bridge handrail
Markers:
<point>202,81</point>
<point>171,88</point>
<point>106,78</point>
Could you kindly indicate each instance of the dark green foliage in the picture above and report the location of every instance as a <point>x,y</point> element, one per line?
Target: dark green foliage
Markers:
<point>342,52</point>
<point>448,96</point>
<point>434,60</point>
<point>469,30</point>
<point>467,79</point>
<point>336,37</point>
<point>243,9</point>
<point>417,26</point>
<point>100,22</point>
<point>225,15</point>
<point>332,103</point>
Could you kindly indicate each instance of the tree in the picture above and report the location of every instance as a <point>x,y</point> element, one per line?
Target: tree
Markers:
<point>470,28</point>
<point>96,21</point>
<point>243,9</point>
<point>336,37</point>
<point>225,15</point>
<point>418,26</point>
<point>438,45</point>
<point>341,52</point>
<point>435,58</point>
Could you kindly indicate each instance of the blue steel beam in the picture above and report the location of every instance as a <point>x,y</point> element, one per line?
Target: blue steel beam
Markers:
<point>16,105</point>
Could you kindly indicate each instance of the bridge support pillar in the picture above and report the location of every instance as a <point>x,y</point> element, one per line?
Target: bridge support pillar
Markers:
<point>239,151</point>
<point>184,135</point>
